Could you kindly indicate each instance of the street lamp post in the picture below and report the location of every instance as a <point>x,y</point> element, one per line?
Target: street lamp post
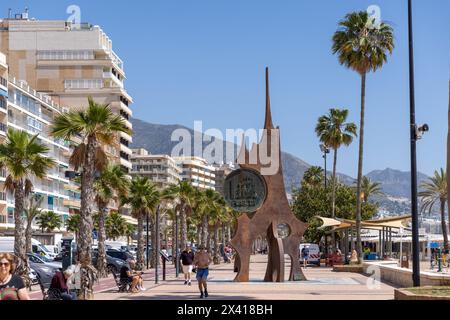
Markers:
<point>413,140</point>
<point>147,244</point>
<point>325,150</point>
<point>157,245</point>
<point>175,253</point>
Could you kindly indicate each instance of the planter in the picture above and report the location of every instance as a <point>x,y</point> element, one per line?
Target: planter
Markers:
<point>403,294</point>
<point>348,268</point>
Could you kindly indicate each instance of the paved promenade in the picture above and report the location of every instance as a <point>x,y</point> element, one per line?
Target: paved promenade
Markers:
<point>322,284</point>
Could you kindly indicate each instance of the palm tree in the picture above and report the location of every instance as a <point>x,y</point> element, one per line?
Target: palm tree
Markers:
<point>184,193</point>
<point>143,197</point>
<point>434,190</point>
<point>334,132</point>
<point>110,184</point>
<point>97,126</point>
<point>23,158</point>
<point>73,225</point>
<point>31,212</point>
<point>313,176</point>
<point>218,215</point>
<point>129,232</point>
<point>369,188</point>
<point>49,221</point>
<point>115,227</point>
<point>362,46</point>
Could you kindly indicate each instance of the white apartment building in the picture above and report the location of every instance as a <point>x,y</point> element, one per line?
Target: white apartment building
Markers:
<point>197,171</point>
<point>161,169</point>
<point>22,108</point>
<point>69,63</point>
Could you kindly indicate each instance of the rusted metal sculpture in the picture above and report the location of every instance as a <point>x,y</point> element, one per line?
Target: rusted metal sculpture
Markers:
<point>274,218</point>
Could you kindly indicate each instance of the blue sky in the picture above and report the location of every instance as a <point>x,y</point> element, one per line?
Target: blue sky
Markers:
<point>205,59</point>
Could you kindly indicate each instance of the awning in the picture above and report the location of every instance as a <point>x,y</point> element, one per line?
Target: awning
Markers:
<point>342,224</point>
<point>3,93</point>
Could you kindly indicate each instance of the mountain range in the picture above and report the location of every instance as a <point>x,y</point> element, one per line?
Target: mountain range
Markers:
<point>156,138</point>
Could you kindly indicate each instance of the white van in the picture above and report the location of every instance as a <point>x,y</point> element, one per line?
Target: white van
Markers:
<point>7,245</point>
<point>314,253</point>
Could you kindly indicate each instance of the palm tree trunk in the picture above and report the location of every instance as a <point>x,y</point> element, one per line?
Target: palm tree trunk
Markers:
<point>183,225</point>
<point>448,156</point>
<point>205,230</point>
<point>28,235</point>
<point>208,240</point>
<point>199,233</point>
<point>154,257</point>
<point>101,261</point>
<point>360,168</point>
<point>216,258</point>
<point>19,230</point>
<point>223,233</point>
<point>86,225</point>
<point>443,224</point>
<point>174,236</point>
<point>333,197</point>
<point>140,242</point>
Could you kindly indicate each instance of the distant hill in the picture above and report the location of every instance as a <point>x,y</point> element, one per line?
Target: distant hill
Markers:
<point>396,184</point>
<point>156,138</point>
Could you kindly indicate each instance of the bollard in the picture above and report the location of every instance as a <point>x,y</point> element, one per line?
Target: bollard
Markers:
<point>439,261</point>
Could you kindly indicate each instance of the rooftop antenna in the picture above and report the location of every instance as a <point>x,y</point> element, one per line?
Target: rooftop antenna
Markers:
<point>25,15</point>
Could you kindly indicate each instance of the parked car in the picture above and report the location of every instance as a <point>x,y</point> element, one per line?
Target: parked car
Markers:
<point>7,245</point>
<point>119,254</point>
<point>113,264</point>
<point>33,276</point>
<point>44,269</point>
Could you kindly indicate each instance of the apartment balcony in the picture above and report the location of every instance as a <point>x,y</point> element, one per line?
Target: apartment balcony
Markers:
<point>3,106</point>
<point>126,136</point>
<point>125,149</point>
<point>3,128</point>
<point>111,76</point>
<point>125,108</point>
<point>4,84</point>
<point>3,63</point>
<point>42,97</point>
<point>74,204</point>
<point>125,163</point>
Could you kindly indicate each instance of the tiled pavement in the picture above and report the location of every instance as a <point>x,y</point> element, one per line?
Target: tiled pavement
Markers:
<point>322,284</point>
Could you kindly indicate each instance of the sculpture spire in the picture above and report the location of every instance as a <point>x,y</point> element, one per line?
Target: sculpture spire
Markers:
<point>268,121</point>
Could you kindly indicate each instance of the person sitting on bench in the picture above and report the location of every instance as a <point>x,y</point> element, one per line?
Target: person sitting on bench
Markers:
<point>128,276</point>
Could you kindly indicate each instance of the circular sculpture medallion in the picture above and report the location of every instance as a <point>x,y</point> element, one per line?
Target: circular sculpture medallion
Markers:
<point>245,190</point>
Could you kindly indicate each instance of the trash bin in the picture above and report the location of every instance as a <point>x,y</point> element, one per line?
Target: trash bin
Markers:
<point>405,262</point>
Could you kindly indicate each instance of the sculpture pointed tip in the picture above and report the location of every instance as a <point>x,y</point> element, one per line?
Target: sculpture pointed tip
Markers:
<point>268,124</point>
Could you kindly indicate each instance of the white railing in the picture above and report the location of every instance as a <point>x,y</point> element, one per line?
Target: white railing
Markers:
<point>44,98</point>
<point>83,84</point>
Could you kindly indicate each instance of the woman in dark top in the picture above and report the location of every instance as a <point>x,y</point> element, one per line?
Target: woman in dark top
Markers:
<point>59,285</point>
<point>11,286</point>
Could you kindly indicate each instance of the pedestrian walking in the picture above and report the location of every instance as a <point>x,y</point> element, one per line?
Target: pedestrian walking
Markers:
<point>305,255</point>
<point>202,260</point>
<point>187,259</point>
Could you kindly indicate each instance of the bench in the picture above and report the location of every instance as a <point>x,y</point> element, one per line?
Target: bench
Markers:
<point>123,285</point>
